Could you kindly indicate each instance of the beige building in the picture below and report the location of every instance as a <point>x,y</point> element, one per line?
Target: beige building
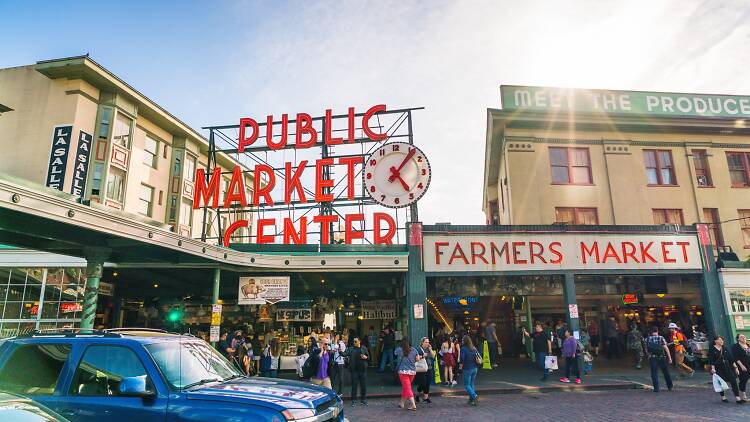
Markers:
<point>72,125</point>
<point>620,158</point>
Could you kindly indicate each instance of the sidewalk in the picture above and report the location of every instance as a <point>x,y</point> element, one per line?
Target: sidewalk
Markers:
<point>515,376</point>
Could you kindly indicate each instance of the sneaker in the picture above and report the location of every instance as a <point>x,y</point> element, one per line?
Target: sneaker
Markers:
<point>353,404</point>
<point>454,382</point>
<point>416,399</point>
<point>364,403</point>
<point>427,401</point>
<point>690,375</point>
<point>563,379</point>
<point>578,380</point>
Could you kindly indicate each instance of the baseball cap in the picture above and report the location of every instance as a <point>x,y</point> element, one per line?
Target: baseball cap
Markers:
<point>672,325</point>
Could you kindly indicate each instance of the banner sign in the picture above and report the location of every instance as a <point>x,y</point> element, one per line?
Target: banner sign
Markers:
<point>81,169</point>
<point>378,309</point>
<point>106,289</point>
<point>262,290</point>
<point>214,334</point>
<point>58,156</point>
<point>293,314</point>
<point>492,252</point>
<point>216,314</point>
<point>624,102</point>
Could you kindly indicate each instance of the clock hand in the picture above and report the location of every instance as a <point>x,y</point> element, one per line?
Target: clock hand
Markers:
<point>403,163</point>
<point>396,175</point>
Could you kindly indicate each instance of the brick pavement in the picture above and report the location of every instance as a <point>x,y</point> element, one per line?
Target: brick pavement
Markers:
<point>687,404</point>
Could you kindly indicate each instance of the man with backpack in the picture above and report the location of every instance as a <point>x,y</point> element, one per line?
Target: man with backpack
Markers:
<point>659,358</point>
<point>319,366</point>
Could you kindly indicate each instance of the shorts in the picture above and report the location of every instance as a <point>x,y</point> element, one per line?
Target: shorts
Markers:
<point>449,360</point>
<point>325,382</point>
<point>594,340</point>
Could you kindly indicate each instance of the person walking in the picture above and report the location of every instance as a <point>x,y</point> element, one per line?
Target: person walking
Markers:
<point>339,349</point>
<point>424,379</point>
<point>741,354</point>
<point>322,363</point>
<point>225,346</point>
<point>594,335</point>
<point>541,345</point>
<point>299,361</point>
<point>372,343</point>
<point>470,359</point>
<point>635,344</point>
<point>358,359</point>
<point>449,361</point>
<point>677,339</point>
<point>492,342</point>
<point>270,360</point>
<point>407,369</point>
<point>613,338</point>
<point>723,364</point>
<point>658,358</point>
<point>388,339</point>
<point>570,353</point>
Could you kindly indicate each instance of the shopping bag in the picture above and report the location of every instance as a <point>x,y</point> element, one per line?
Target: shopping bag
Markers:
<point>719,384</point>
<point>550,362</point>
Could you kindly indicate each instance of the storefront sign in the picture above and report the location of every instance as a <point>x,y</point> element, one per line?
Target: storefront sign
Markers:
<point>293,314</point>
<point>261,290</point>
<point>264,314</point>
<point>70,307</point>
<point>216,315</point>
<point>624,102</point>
<point>81,169</point>
<point>106,289</point>
<point>526,251</point>
<point>58,156</point>
<point>630,299</point>
<point>378,309</point>
<point>573,310</point>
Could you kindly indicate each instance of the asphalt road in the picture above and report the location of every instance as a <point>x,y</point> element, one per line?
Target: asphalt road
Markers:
<point>616,405</point>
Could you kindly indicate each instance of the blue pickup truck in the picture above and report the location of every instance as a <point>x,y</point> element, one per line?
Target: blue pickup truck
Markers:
<point>149,375</point>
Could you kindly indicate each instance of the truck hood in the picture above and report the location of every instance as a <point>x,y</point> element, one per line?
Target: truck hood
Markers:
<point>270,392</point>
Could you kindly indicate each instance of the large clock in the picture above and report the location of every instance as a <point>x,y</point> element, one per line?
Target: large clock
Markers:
<point>397,174</point>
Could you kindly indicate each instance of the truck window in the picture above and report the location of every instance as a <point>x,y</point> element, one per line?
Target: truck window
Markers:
<point>102,368</point>
<point>34,369</point>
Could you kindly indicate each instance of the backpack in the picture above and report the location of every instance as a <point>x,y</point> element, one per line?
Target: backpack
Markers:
<point>579,347</point>
<point>308,370</point>
<point>265,361</point>
<point>655,348</point>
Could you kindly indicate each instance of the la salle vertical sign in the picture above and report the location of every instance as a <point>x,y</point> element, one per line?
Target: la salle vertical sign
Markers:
<point>58,157</point>
<point>81,168</point>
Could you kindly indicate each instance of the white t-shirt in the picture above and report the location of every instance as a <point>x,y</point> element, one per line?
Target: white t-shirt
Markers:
<point>300,361</point>
<point>338,349</point>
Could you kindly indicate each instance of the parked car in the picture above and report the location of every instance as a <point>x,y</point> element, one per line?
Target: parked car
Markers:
<point>21,409</point>
<point>138,375</point>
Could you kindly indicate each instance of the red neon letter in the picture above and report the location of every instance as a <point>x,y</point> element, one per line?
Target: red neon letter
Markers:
<point>291,182</point>
<point>458,252</point>
<point>260,224</point>
<point>593,251</point>
<point>328,138</point>
<point>665,253</point>
<point>478,253</point>
<point>350,163</point>
<point>304,125</point>
<point>684,250</point>
<point>366,123</point>
<point>349,232</point>
<point>325,226</point>
<point>386,239</point>
<point>321,183</point>
<point>237,182</point>
<point>350,137</point>
<point>231,229</point>
<point>438,252</point>
<point>290,234</point>
<point>209,193</point>
<point>259,190</point>
<point>552,249</point>
<point>247,141</point>
<point>644,252</point>
<point>284,132</point>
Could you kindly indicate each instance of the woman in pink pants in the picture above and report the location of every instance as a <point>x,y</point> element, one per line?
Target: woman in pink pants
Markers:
<point>408,357</point>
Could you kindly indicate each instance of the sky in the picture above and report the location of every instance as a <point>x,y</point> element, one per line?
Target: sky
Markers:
<point>212,62</point>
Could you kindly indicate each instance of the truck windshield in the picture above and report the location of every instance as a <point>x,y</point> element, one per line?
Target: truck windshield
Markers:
<point>190,363</point>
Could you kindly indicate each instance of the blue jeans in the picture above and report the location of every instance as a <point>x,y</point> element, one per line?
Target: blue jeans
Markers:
<point>659,363</point>
<point>469,376</point>
<point>540,358</point>
<point>387,356</point>
<point>269,374</point>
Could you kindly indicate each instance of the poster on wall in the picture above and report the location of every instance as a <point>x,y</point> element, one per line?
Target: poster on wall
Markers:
<point>81,168</point>
<point>262,290</point>
<point>378,309</point>
<point>58,156</point>
<point>294,315</point>
<point>739,322</point>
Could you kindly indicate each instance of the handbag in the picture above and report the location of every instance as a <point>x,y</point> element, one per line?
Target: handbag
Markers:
<point>421,365</point>
<point>719,384</point>
<point>550,362</point>
<point>478,358</point>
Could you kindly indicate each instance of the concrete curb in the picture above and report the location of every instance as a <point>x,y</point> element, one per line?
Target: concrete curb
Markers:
<point>518,390</point>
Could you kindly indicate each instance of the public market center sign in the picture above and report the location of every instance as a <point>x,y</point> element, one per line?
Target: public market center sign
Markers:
<point>624,102</point>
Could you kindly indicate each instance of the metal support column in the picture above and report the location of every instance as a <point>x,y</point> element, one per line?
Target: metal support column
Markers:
<point>529,328</point>
<point>416,285</point>
<point>215,294</point>
<point>569,293</point>
<point>94,267</point>
<point>712,292</point>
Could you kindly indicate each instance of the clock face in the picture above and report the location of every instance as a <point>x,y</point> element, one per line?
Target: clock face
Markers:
<point>397,174</point>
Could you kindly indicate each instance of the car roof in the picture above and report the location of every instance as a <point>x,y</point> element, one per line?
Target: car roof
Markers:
<point>140,335</point>
<point>4,397</point>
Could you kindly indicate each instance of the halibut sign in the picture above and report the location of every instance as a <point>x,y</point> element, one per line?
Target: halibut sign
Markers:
<point>667,104</point>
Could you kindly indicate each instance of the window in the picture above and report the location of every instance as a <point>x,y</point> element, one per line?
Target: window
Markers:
<point>105,120</point>
<point>96,182</point>
<point>702,172</point>
<point>102,368</point>
<point>740,300</point>
<point>659,167</point>
<point>115,184</point>
<point>494,212</point>
<point>150,152</point>
<point>190,168</point>
<point>34,369</point>
<point>579,216</point>
<point>744,216</point>
<point>177,166</point>
<point>122,129</point>
<point>172,207</point>
<point>668,216</point>
<point>570,166</point>
<point>145,200</point>
<point>186,208</point>
<point>198,361</point>
<point>739,169</point>
<point>711,217</point>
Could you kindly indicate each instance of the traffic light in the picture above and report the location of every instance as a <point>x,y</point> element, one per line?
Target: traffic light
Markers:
<point>174,315</point>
